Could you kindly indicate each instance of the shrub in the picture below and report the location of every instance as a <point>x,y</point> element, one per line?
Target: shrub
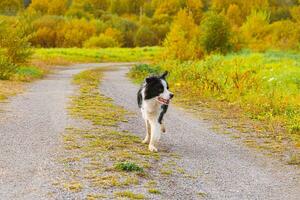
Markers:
<point>7,68</point>
<point>256,29</point>
<point>215,33</point>
<point>284,35</point>
<point>14,49</point>
<point>145,37</point>
<point>102,41</point>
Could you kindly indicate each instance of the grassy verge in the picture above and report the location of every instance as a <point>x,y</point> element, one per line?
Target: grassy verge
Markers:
<point>77,55</point>
<point>17,82</point>
<point>255,93</point>
<point>102,158</point>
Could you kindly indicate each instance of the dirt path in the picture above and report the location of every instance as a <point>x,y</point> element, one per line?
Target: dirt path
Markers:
<point>32,123</point>
<point>224,168</point>
<point>30,135</point>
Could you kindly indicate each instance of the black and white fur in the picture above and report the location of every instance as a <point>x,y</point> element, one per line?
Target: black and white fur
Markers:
<point>153,98</point>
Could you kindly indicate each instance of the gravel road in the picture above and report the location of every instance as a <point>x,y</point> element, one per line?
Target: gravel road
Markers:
<point>30,135</point>
<point>224,167</point>
<point>32,123</point>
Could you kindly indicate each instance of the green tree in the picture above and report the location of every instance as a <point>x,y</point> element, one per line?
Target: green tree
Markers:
<point>215,33</point>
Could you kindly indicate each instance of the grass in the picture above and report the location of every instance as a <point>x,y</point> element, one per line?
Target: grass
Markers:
<point>154,191</point>
<point>259,91</point>
<point>16,84</point>
<point>129,195</point>
<point>79,55</point>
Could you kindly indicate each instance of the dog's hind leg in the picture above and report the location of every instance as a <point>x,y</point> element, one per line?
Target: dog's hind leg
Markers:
<point>148,132</point>
<point>155,135</point>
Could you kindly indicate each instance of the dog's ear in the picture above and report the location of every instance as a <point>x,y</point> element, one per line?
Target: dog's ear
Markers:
<point>164,75</point>
<point>149,79</point>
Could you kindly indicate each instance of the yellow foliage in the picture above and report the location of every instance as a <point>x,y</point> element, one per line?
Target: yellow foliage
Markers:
<point>52,7</point>
<point>284,35</point>
<point>196,6</point>
<point>256,29</point>
<point>234,15</point>
<point>181,42</point>
<point>115,34</point>
<point>295,12</point>
<point>75,32</point>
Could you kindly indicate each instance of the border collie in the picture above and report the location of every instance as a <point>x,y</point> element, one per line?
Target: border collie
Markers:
<point>153,99</point>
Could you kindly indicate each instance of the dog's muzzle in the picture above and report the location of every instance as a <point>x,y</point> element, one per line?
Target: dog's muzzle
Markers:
<point>163,101</point>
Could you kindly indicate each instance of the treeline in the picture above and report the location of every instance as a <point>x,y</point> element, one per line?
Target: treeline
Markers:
<point>188,28</point>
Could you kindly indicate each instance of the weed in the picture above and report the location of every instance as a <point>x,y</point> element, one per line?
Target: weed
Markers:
<point>154,191</point>
<point>128,166</point>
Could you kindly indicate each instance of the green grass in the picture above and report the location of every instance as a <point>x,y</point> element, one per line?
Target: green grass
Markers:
<point>28,73</point>
<point>71,55</point>
<point>128,166</point>
<point>263,87</point>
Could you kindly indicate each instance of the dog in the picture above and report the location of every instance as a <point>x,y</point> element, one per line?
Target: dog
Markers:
<point>153,99</point>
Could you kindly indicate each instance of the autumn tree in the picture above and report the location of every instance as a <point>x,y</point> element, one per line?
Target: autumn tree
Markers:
<point>10,7</point>
<point>181,41</point>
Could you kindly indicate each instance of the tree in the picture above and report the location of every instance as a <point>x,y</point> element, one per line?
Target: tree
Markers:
<point>234,15</point>
<point>256,29</point>
<point>181,41</point>
<point>10,7</point>
<point>196,7</point>
<point>215,33</point>
<point>145,37</point>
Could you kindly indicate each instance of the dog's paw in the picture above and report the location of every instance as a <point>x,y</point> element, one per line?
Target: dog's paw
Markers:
<point>163,128</point>
<point>152,148</point>
<point>145,141</point>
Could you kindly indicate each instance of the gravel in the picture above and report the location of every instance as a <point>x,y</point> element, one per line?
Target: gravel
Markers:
<point>224,167</point>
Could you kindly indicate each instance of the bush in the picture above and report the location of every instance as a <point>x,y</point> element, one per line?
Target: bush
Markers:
<point>256,29</point>
<point>102,41</point>
<point>145,37</point>
<point>14,49</point>
<point>215,33</point>
<point>7,68</point>
<point>284,35</point>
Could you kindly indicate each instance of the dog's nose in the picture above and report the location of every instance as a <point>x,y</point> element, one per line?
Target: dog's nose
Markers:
<point>171,96</point>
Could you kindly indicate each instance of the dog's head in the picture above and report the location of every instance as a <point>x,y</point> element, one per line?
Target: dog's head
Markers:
<point>158,88</point>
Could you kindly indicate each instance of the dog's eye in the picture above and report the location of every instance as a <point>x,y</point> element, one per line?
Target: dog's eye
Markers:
<point>161,90</point>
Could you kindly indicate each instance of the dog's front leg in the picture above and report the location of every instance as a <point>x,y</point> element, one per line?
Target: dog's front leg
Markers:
<point>148,132</point>
<point>155,135</point>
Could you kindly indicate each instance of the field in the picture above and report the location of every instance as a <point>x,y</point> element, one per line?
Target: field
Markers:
<point>260,87</point>
<point>43,61</point>
<point>77,55</point>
